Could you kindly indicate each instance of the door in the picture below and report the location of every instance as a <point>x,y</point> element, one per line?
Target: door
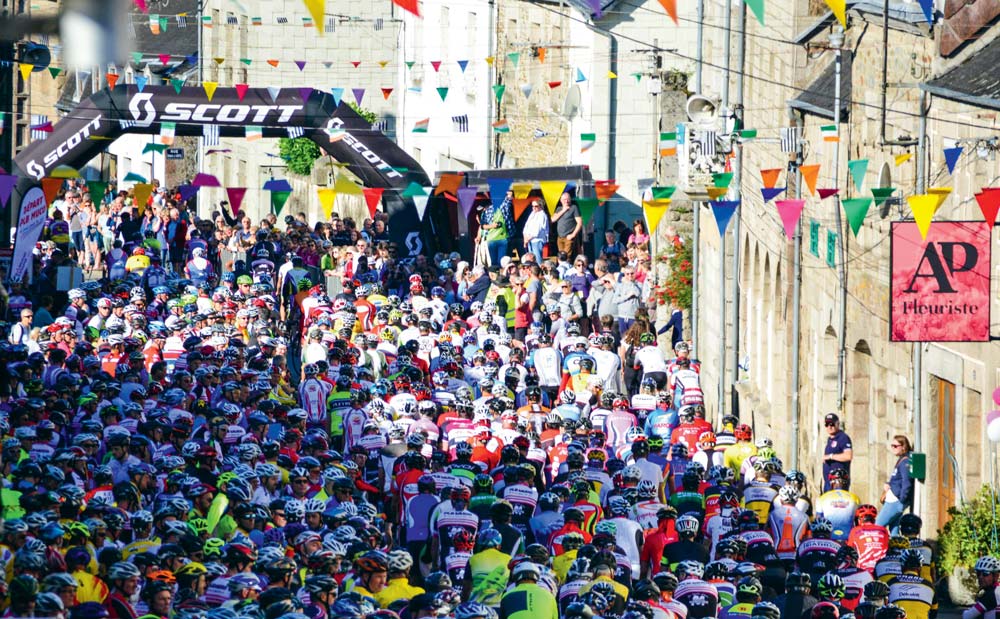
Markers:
<point>946,491</point>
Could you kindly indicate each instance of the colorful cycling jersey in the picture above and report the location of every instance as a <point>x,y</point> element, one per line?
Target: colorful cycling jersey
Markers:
<point>312,394</point>
<point>528,601</point>
<point>888,567</point>
<point>446,523</point>
<point>788,526</point>
<point>985,606</point>
<point>743,610</point>
<point>455,564</point>
<point>700,597</point>
<point>758,496</point>
<point>737,453</point>
<point>913,594</point>
<point>855,580</point>
<point>616,425</point>
<point>644,512</point>
<point>871,541</point>
<point>489,573</point>
<point>523,499</point>
<point>817,556</point>
<point>660,422</point>
<point>838,506</point>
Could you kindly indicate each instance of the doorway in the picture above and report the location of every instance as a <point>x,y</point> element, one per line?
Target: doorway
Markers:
<point>947,490</point>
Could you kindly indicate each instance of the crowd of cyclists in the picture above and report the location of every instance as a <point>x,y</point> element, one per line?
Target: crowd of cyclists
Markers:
<point>241,442</point>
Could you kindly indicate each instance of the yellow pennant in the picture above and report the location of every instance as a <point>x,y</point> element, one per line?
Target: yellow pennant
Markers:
<point>941,193</point>
<point>714,193</point>
<point>612,75</point>
<point>923,207</point>
<point>347,187</point>
<point>552,191</point>
<point>26,70</point>
<point>521,190</point>
<point>839,8</point>
<point>210,89</point>
<point>142,193</point>
<point>654,212</point>
<point>317,8</point>
<point>326,198</point>
<point>489,60</point>
<point>901,159</point>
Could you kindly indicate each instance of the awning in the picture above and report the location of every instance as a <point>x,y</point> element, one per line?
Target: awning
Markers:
<point>975,81</point>
<point>818,99</point>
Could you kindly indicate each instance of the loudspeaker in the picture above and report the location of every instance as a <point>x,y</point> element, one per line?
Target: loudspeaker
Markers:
<point>34,54</point>
<point>701,110</point>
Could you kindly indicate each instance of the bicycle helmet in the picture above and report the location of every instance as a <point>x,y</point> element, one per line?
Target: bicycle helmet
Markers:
<point>890,611</point>
<point>646,489</point>
<point>690,568</point>
<point>831,586</point>
<point>749,585</point>
<point>687,524</point>
<point>876,590</point>
<point>820,527</point>
<point>372,561</point>
<point>474,610</point>
<point>910,524</point>
<point>490,538</point>
<point>798,581</point>
<point>400,561</point>
<point>765,610</point>
<point>866,513</point>
<point>123,571</point>
<point>911,559</point>
<point>987,565</point>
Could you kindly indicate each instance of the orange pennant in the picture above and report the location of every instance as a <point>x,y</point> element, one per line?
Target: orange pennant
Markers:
<point>112,80</point>
<point>386,92</point>
<point>605,189</point>
<point>541,54</point>
<point>670,6</point>
<point>519,205</point>
<point>770,177</point>
<point>51,187</point>
<point>449,183</point>
<point>273,63</point>
<point>810,173</point>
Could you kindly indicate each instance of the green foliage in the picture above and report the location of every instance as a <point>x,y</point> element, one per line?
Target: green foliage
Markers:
<point>970,533</point>
<point>300,153</point>
<point>676,289</point>
<point>369,117</point>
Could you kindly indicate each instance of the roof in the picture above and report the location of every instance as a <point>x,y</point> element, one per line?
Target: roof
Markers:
<point>974,81</point>
<point>903,16</point>
<point>818,99</point>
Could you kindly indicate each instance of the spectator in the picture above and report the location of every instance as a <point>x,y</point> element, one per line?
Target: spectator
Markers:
<point>536,230</point>
<point>897,493</point>
<point>569,225</point>
<point>838,453</point>
<point>639,236</point>
<point>627,297</point>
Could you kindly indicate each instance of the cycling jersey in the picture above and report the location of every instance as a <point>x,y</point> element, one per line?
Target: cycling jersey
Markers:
<point>913,594</point>
<point>817,556</point>
<point>758,497</point>
<point>396,589</point>
<point>855,580</point>
<point>528,601</point>
<point>838,506</point>
<point>523,498</point>
<point>700,598</point>
<point>985,606</point>
<point>871,541</point>
<point>788,526</point>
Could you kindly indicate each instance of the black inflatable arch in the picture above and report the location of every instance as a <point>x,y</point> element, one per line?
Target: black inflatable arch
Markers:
<point>336,128</point>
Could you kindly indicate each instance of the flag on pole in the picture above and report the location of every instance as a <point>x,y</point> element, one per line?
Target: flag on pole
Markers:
<point>829,133</point>
<point>668,144</point>
<point>501,126</point>
<point>587,141</point>
<point>421,126</point>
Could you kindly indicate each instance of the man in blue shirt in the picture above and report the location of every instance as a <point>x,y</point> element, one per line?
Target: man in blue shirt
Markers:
<point>839,451</point>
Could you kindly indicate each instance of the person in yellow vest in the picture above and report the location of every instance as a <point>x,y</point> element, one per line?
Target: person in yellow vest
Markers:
<point>398,586</point>
<point>502,294</point>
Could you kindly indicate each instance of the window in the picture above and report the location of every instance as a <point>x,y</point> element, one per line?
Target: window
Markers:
<point>831,249</point>
<point>814,237</point>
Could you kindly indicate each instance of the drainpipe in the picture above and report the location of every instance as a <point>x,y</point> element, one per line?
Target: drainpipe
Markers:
<point>796,303</point>
<point>885,80</point>
<point>696,231</point>
<point>837,43</point>
<point>738,181</point>
<point>918,351</point>
<point>490,80</point>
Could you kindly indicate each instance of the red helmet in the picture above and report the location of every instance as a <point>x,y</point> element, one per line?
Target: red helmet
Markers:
<point>138,251</point>
<point>462,540</point>
<point>461,494</point>
<point>743,432</point>
<point>866,513</point>
<point>620,403</point>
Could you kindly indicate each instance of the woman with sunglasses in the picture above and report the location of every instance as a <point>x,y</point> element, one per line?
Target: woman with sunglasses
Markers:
<point>897,493</point>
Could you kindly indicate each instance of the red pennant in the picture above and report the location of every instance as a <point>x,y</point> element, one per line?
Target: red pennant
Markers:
<point>51,187</point>
<point>241,90</point>
<point>989,203</point>
<point>386,92</point>
<point>408,5</point>
<point>436,64</point>
<point>164,58</point>
<point>112,80</point>
<point>356,63</point>
<point>826,193</point>
<point>373,197</point>
<point>273,63</point>
<point>235,195</point>
<point>605,189</point>
<point>555,84</point>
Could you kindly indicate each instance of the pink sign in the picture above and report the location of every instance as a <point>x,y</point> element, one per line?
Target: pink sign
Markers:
<point>940,290</point>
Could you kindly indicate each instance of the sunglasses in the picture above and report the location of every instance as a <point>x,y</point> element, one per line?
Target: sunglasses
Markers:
<point>300,481</point>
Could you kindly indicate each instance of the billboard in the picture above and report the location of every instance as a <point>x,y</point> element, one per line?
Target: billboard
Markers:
<point>940,288</point>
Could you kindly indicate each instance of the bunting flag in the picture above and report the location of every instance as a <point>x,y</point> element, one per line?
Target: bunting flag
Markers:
<point>254,133</point>
<point>555,84</point>
<point>136,57</point>
<point>317,8</point>
<point>605,189</point>
<point>421,126</point>
<point>219,61</point>
<point>466,198</point>
<point>551,192</point>
<point>413,189</point>
<point>210,89</point>
<point>305,92</point>
<point>338,94</point>
<point>490,59</point>
<point>988,199</point>
<point>723,211</point>
<point>155,148</point>
<point>790,211</point>
<point>829,133</point>
<point>770,193</point>
<point>356,63</point>
<point>326,199</point>
<point>901,159</point>
<point>421,203</point>
<point>235,195</point>
<point>757,6</point>
<point>810,173</point>
<point>662,193</point>
<point>132,177</point>
<point>941,193</point>
<point>826,193</point>
<point>526,90</point>
<point>514,58</point>
<point>277,184</point>
<point>856,209</point>
<point>448,183</point>
<point>858,168</point>
<point>205,180</point>
<point>436,64</point>
<point>178,84</point>
<point>373,197</point>
<point>359,94</point>
<point>164,58</point>
<point>462,64</point>
<point>519,205</point>
<point>381,63</point>
<point>928,8</point>
<point>167,131</point>
<point>274,63</point>
<point>498,90</point>
<point>722,179</point>
<point>241,90</point>
<point>54,72</point>
<point>498,189</point>
<point>654,212</point>
<point>386,92</point>
<point>246,61</point>
<point>347,187</point>
<point>501,126</point>
<point>521,190</point>
<point>670,6</point>
<point>442,92</point>
<point>278,200</point>
<point>112,79</point>
<point>187,192</point>
<point>50,188</point>
<point>923,207</point>
<point>668,144</point>
<point>770,177</point>
<point>587,141</point>
<point>580,77</point>
<point>839,8</point>
<point>140,82</point>
<point>142,192</point>
<point>301,64</point>
<point>951,156</point>
<point>587,207</point>
<point>142,5</point>
<point>714,193</point>
<point>881,194</point>
<point>612,75</point>
<point>154,24</point>
<point>96,189</point>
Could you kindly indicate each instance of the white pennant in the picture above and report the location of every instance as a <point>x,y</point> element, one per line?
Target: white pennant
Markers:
<point>526,89</point>
<point>421,203</point>
<point>273,91</point>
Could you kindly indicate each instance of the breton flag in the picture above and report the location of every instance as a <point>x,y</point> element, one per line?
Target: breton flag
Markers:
<point>789,139</point>
<point>295,132</point>
<point>829,133</point>
<point>706,139</point>
<point>41,127</point>
<point>461,123</point>
<point>210,134</point>
<point>668,144</point>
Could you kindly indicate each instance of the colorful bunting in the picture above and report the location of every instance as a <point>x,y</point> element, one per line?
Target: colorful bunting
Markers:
<point>164,58</point>
<point>274,63</point>
<point>521,190</point>
<point>205,180</point>
<point>748,134</point>
<point>662,193</point>
<point>551,192</point>
<point>605,189</point>
<point>555,84</point>
<point>723,211</point>
<point>668,144</point>
<point>498,188</point>
<point>941,193</point>
<point>448,183</point>
<point>988,199</point>
<point>770,177</point>
<point>359,94</point>
<point>436,64</point>
<point>132,177</point>
<point>612,75</point>
<point>140,82</point>
<point>901,159</point>
<point>278,200</point>
<point>142,6</point>
<point>810,173</point>
<point>951,156</point>
<point>241,90</point>
<point>770,193</point>
<point>856,209</point>
<point>178,84</point>
<point>498,90</point>
<point>514,58</point>
<point>587,207</point>
<point>155,148</point>
<point>541,54</point>
<point>386,92</point>
<point>587,141</point>
<point>142,192</point>
<point>373,197</point>
<point>462,64</point>
<point>413,189</point>
<point>421,126</point>
<point>757,6</point>
<point>722,179</point>
<point>928,8</point>
<point>235,195</point>
<point>670,6</point>
<point>54,72</point>
<point>25,71</point>
<point>277,184</point>
<point>382,63</point>
<point>96,189</point>
<point>356,63</point>
<point>714,193</point>
<point>112,79</point>
<point>210,89</point>
<point>346,186</point>
<point>881,194</point>
<point>338,94</point>
<point>520,204</point>
<point>580,77</point>
<point>187,192</point>
<point>858,168</point>
<point>923,207</point>
<point>790,211</point>
<point>654,212</point>
<point>219,61</point>
<point>466,198</point>
<point>326,198</point>
<point>51,187</point>
<point>526,90</point>
<point>301,64</point>
<point>305,92</point>
<point>420,202</point>
<point>839,8</point>
<point>408,5</point>
<point>442,92</point>
<point>826,193</point>
<point>64,171</point>
<point>317,8</point>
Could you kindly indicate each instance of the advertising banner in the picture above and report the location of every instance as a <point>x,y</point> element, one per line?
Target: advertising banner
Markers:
<point>940,289</point>
<point>29,227</point>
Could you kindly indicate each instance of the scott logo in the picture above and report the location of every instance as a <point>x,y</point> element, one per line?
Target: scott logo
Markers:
<point>145,116</point>
<point>414,243</point>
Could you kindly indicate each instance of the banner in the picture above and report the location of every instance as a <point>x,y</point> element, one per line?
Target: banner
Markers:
<point>34,209</point>
<point>940,288</point>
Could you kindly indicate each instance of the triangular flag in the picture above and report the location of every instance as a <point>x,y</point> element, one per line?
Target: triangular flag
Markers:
<point>50,188</point>
<point>219,61</point>
<point>25,71</point>
<point>386,92</point>
<point>326,198</point>
<point>790,211</point>
<point>436,64</point>
<point>605,189</point>
<point>210,89</point>
<point>187,192</point>
<point>235,195</point>
<point>359,94</point>
<point>490,60</point>
<point>770,177</point>
<point>514,58</point>
<point>723,211</point>
<point>54,72</point>
<point>112,80</point>
<point>442,92</point>
<point>826,193</point>
<point>274,63</point>
<point>7,184</point>
<point>96,189</point>
<point>856,210</point>
<point>373,196</point>
<point>670,6</point>
<point>462,64</point>
<point>839,8</point>
<point>587,207</point>
<point>654,212</point>
<point>305,92</point>
<point>142,193</point>
<point>246,61</point>
<point>881,194</point>
<point>555,84</point>
<point>928,7</point>
<point>338,94</point>
<point>241,90</point>
<point>413,189</point>
<point>951,156</point>
<point>317,8</point>
<point>156,148</point>
<point>132,177</point>
<point>278,200</point>
<point>277,184</point>
<point>301,64</point>
<point>421,203</point>
<point>498,90</point>
<point>858,168</point>
<point>356,63</point>
<point>901,159</point>
<point>205,180</point>
<point>466,198</point>
<point>722,179</point>
<point>177,84</point>
<point>142,5</point>
<point>274,91</point>
<point>498,189</point>
<point>449,183</point>
<point>541,54</point>
<point>770,193</point>
<point>580,76</point>
<point>551,192</point>
<point>714,193</point>
<point>662,193</point>
<point>757,6</point>
<point>136,57</point>
<point>810,173</point>
<point>923,207</point>
<point>519,205</point>
<point>164,58</point>
<point>521,190</point>
<point>526,90</point>
<point>346,186</point>
<point>612,75</point>
<point>140,82</point>
<point>989,203</point>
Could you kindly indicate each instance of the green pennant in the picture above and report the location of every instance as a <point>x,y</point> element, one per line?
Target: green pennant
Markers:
<point>514,57</point>
<point>54,72</point>
<point>587,208</point>
<point>278,199</point>
<point>410,63</point>
<point>177,84</point>
<point>637,76</point>
<point>96,190</point>
<point>136,57</point>
<point>757,6</point>
<point>881,194</point>
<point>156,148</point>
<point>856,209</point>
<point>132,177</point>
<point>442,92</point>
<point>663,193</point>
<point>413,189</point>
<point>722,179</point>
<point>498,90</point>
<point>858,168</point>
<point>246,61</point>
